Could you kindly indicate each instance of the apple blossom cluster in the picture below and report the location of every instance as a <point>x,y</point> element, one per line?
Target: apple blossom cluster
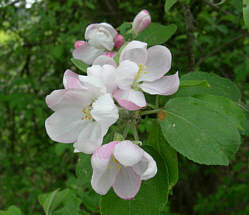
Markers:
<point>85,109</point>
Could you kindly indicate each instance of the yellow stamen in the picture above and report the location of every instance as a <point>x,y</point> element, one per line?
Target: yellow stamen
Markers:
<point>141,68</point>
<point>86,114</point>
<point>115,161</point>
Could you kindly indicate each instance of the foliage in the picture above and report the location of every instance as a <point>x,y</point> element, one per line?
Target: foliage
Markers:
<point>36,46</point>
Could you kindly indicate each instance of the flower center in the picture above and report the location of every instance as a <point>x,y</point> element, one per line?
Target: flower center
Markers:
<point>135,84</point>
<point>87,113</point>
<point>115,161</point>
<point>140,71</point>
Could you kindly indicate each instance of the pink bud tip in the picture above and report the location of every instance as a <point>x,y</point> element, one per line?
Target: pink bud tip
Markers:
<point>79,43</point>
<point>141,21</point>
<point>110,54</point>
<point>118,41</point>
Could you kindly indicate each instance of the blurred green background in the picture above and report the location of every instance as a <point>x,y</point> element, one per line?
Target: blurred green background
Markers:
<point>36,41</point>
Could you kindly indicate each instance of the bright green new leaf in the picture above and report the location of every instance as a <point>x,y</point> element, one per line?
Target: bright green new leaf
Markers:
<point>246,12</point>
<point>51,201</point>
<point>157,34</point>
<point>79,64</point>
<point>150,199</point>
<point>169,4</point>
<point>194,83</point>
<point>218,86</point>
<point>12,210</point>
<point>168,154</point>
<point>70,205</point>
<point>200,131</point>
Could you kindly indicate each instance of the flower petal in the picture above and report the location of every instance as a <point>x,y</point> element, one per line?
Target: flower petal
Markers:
<point>103,59</point>
<point>104,74</point>
<point>104,173</point>
<point>127,153</point>
<point>54,98</point>
<point>105,112</point>
<point>90,137</point>
<point>107,26</point>
<point>146,168</point>
<point>71,80</point>
<point>135,51</point>
<point>64,125</point>
<point>87,53</point>
<point>166,85</point>
<point>158,63</point>
<point>127,183</point>
<point>101,36</point>
<point>130,99</point>
<point>59,99</point>
<point>126,73</point>
<point>93,84</point>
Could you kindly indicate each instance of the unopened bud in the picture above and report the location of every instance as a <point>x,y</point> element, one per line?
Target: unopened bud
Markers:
<point>118,41</point>
<point>141,21</point>
<point>79,43</point>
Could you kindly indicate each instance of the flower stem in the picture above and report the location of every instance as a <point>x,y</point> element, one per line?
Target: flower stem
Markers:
<point>149,112</point>
<point>126,130</point>
<point>151,106</point>
<point>157,101</point>
<point>135,134</point>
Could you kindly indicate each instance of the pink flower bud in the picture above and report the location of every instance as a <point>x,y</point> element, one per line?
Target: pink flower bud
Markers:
<point>79,43</point>
<point>110,54</point>
<point>118,41</point>
<point>141,21</point>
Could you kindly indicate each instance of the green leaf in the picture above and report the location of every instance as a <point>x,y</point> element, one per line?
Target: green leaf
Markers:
<point>218,86</point>
<point>84,169</point>
<point>169,4</point>
<point>116,57</point>
<point>199,131</point>
<point>246,12</point>
<point>79,64</point>
<point>168,154</point>
<point>124,27</point>
<point>194,83</point>
<point>51,201</point>
<point>246,125</point>
<point>71,205</point>
<point>150,199</point>
<point>157,34</point>
<point>12,210</point>
<point>61,148</point>
<point>227,108</point>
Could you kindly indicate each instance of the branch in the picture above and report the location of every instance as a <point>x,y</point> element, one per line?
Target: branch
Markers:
<point>189,20</point>
<point>216,7</point>
<point>202,59</point>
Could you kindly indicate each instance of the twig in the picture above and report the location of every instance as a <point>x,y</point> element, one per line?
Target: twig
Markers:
<point>216,7</point>
<point>189,20</point>
<point>218,49</point>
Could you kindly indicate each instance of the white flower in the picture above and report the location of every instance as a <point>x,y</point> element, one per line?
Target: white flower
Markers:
<point>103,77</point>
<point>121,165</point>
<point>100,38</point>
<point>82,114</point>
<point>143,70</point>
